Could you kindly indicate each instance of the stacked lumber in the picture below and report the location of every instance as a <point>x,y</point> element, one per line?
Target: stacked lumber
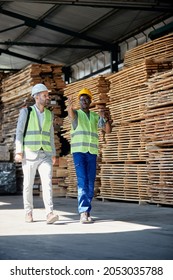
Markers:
<point>60,173</point>
<point>71,179</point>
<point>159,126</point>
<point>16,94</point>
<point>161,48</point>
<point>2,76</point>
<point>128,90</point>
<point>159,137</point>
<point>1,139</point>
<point>99,87</point>
<point>124,143</point>
<point>4,153</point>
<point>124,181</point>
<point>123,171</point>
<point>160,170</point>
<point>160,89</point>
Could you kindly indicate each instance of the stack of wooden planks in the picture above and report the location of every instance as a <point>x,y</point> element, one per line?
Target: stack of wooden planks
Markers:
<point>160,170</point>
<point>4,153</point>
<point>154,111</point>
<point>124,143</point>
<point>161,48</point>
<point>159,126</point>
<point>60,172</point>
<point>71,179</point>
<point>124,169</point>
<point>2,76</point>
<point>128,90</point>
<point>124,181</point>
<point>158,129</point>
<point>160,89</point>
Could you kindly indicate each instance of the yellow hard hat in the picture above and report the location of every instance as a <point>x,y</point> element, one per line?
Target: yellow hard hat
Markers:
<point>85,91</point>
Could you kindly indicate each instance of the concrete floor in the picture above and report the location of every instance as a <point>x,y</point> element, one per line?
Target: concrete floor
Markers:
<point>122,231</point>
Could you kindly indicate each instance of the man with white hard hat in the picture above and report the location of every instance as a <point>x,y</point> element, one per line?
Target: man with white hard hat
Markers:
<point>35,148</point>
<point>38,88</point>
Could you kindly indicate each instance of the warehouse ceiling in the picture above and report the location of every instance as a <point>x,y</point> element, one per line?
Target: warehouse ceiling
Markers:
<point>66,32</point>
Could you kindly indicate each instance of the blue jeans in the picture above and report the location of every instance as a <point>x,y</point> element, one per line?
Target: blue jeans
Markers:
<point>85,165</point>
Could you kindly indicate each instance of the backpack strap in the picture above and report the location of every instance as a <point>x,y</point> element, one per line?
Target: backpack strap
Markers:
<point>27,120</point>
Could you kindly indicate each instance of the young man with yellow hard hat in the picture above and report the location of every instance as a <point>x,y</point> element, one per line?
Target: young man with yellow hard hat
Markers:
<point>84,148</point>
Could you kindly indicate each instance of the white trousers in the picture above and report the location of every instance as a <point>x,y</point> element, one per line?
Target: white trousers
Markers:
<point>43,164</point>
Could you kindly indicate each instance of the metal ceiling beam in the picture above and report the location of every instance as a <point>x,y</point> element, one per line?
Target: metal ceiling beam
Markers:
<point>13,27</point>
<point>8,70</point>
<point>28,44</point>
<point>40,61</point>
<point>157,5</point>
<point>33,23</point>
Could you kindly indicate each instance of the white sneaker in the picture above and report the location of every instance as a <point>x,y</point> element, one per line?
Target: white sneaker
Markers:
<point>52,218</point>
<point>90,220</point>
<point>85,218</point>
<point>29,217</point>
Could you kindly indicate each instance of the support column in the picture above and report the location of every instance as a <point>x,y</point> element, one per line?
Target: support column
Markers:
<point>67,74</point>
<point>114,58</point>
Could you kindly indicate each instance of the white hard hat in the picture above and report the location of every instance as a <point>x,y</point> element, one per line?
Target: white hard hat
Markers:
<point>38,88</point>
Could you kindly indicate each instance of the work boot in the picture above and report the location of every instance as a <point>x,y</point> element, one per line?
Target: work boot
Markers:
<point>52,218</point>
<point>28,217</point>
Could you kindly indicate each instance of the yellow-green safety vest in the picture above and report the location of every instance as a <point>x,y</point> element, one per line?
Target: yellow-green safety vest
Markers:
<point>85,137</point>
<point>37,138</point>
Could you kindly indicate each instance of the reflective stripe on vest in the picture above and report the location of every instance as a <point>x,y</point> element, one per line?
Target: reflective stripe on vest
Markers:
<point>85,137</point>
<point>35,138</point>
